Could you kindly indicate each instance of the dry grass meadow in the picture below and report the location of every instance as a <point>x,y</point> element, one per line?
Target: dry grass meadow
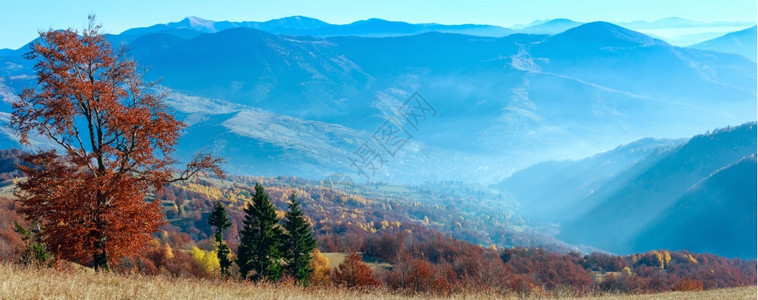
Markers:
<point>336,258</point>
<point>30,283</point>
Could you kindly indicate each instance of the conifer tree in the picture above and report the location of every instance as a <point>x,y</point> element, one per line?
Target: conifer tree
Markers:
<point>260,239</point>
<point>220,221</point>
<point>298,243</point>
<point>35,253</point>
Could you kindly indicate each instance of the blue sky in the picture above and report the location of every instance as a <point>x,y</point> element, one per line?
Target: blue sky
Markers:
<point>21,19</point>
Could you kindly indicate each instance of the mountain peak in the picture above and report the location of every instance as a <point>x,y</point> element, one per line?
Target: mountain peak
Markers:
<point>377,21</point>
<point>198,22</point>
<point>560,21</point>
<point>373,20</point>
<point>553,26</point>
<point>296,22</point>
<point>195,19</point>
<point>608,35</point>
<point>296,19</point>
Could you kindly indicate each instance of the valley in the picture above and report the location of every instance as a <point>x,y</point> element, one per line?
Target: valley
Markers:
<point>552,159</point>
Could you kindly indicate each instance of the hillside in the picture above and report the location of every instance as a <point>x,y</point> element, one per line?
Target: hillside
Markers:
<point>616,213</point>
<point>551,27</point>
<point>317,115</point>
<point>502,103</point>
<point>553,191</point>
<point>716,215</point>
<point>464,212</point>
<point>79,284</point>
<point>416,238</point>
<point>379,159</point>
<point>25,283</point>
<point>606,48</point>
<point>741,42</point>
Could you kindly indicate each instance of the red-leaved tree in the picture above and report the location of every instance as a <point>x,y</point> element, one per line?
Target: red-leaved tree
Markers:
<point>112,138</point>
<point>354,273</point>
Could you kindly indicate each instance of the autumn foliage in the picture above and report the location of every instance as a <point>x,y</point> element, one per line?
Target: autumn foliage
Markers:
<point>426,262</point>
<point>349,223</point>
<point>354,273</point>
<point>321,272</point>
<point>114,138</point>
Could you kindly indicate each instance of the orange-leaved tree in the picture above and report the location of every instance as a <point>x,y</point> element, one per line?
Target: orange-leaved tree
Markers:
<point>111,139</point>
<point>354,273</point>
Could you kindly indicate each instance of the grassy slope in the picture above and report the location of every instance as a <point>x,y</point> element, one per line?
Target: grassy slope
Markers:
<point>747,292</point>
<point>336,258</point>
<point>46,283</point>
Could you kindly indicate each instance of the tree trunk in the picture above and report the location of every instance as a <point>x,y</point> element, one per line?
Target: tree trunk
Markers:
<point>100,257</point>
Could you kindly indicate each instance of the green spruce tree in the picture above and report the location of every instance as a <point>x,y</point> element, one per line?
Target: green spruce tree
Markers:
<point>220,221</point>
<point>298,243</point>
<point>35,253</point>
<point>260,239</point>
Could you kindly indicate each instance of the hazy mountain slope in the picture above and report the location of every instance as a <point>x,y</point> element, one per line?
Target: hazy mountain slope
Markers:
<point>470,29</point>
<point>259,142</point>
<point>741,42</point>
<point>637,197</point>
<point>289,23</point>
<point>717,215</point>
<point>256,68</point>
<point>551,27</point>
<point>683,32</point>
<point>674,30</point>
<point>501,104</point>
<point>253,141</point>
<point>383,28</point>
<point>551,191</point>
<point>337,79</point>
<point>677,22</point>
<point>145,45</point>
<point>191,23</point>
<point>370,27</point>
<point>608,48</point>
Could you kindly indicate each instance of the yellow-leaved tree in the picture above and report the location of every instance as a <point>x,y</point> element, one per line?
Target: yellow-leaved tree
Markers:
<point>321,270</point>
<point>207,260</point>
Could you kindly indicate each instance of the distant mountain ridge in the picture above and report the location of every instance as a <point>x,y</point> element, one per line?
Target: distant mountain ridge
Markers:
<point>697,194</point>
<point>683,32</point>
<point>549,27</point>
<point>207,26</point>
<point>514,100</point>
<point>619,216</point>
<point>741,42</point>
<point>674,22</point>
<point>553,190</point>
<point>308,105</point>
<point>717,215</point>
<point>304,26</point>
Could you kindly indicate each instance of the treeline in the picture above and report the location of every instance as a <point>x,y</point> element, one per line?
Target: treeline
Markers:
<point>269,248</point>
<point>207,243</point>
<point>336,212</point>
<point>431,262</point>
<point>424,261</point>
